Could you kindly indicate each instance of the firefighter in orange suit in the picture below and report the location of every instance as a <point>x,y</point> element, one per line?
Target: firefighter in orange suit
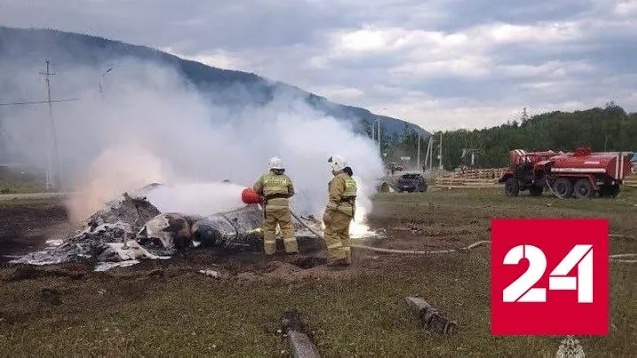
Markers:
<point>339,212</point>
<point>276,189</point>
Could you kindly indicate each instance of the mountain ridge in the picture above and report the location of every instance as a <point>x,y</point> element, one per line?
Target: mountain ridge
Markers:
<point>35,43</point>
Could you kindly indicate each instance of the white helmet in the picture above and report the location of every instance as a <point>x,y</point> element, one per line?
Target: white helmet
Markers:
<point>276,163</point>
<point>337,162</point>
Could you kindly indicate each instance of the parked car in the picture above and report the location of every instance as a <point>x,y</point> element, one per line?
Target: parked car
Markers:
<point>412,182</point>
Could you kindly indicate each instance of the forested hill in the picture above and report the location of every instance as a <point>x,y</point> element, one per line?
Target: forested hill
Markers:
<point>609,128</point>
<point>66,49</point>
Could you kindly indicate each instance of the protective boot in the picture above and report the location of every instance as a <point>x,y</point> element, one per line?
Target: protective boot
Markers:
<point>291,246</point>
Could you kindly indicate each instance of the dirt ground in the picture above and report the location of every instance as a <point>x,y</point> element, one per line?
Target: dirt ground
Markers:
<point>25,226</point>
<point>169,308</point>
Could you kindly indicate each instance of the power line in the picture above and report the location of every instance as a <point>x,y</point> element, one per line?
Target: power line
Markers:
<point>39,102</point>
<point>50,182</point>
<point>4,133</point>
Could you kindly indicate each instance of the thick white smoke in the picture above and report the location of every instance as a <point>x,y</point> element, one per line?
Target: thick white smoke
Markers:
<point>151,127</point>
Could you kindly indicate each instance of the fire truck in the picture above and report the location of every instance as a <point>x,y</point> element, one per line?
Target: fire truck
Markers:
<point>580,174</point>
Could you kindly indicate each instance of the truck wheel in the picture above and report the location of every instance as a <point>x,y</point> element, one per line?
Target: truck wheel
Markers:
<point>563,187</point>
<point>536,190</point>
<point>511,187</point>
<point>583,189</point>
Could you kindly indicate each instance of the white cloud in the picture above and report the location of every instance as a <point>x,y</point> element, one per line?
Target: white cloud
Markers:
<point>502,33</point>
<point>553,69</point>
<point>364,40</point>
<point>626,8</point>
<point>468,66</point>
<point>437,53</point>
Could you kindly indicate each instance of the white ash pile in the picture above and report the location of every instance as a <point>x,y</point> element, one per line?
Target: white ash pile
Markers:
<point>97,240</point>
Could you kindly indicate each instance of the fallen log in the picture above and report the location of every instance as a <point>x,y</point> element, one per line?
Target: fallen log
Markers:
<point>430,316</point>
<point>300,343</point>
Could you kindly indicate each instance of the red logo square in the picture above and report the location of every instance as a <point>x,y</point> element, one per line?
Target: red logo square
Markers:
<point>549,277</point>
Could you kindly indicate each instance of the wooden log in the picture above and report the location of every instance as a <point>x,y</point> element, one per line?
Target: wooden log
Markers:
<point>430,316</point>
<point>301,346</point>
<point>300,343</point>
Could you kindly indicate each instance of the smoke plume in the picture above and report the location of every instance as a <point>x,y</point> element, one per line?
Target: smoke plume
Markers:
<point>150,126</point>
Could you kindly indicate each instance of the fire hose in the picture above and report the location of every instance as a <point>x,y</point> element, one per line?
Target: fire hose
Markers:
<point>248,196</point>
<point>615,258</point>
<point>553,191</point>
<point>392,251</point>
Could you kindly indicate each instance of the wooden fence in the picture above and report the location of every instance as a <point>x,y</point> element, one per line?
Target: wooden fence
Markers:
<point>471,178</point>
<point>631,181</point>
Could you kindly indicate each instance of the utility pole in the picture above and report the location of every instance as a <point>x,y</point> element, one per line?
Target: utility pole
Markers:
<point>431,153</point>
<point>101,83</point>
<point>378,133</point>
<point>380,147</point>
<point>440,153</point>
<point>427,153</point>
<point>50,177</point>
<point>429,156</point>
<point>418,154</point>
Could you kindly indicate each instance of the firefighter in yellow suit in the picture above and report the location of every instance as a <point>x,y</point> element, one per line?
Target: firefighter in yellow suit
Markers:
<point>339,212</point>
<point>276,189</point>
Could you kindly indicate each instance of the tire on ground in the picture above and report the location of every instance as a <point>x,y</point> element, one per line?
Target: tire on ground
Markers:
<point>511,187</point>
<point>583,189</point>
<point>563,187</point>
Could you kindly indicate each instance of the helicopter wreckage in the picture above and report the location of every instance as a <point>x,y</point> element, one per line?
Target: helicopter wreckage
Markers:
<point>130,228</point>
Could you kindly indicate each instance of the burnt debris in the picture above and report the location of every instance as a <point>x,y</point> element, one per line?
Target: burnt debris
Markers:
<point>131,228</point>
<point>115,223</point>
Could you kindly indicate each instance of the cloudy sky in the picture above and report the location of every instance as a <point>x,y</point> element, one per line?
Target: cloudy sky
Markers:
<point>443,64</point>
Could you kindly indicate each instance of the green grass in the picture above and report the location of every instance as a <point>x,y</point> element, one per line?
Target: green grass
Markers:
<point>22,188</point>
<point>21,202</point>
<point>13,182</point>
<point>183,313</point>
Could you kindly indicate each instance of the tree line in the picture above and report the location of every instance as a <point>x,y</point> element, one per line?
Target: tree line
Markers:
<point>602,129</point>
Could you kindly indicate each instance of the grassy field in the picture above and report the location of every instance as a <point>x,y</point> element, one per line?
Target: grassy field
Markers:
<point>167,308</point>
<point>12,182</point>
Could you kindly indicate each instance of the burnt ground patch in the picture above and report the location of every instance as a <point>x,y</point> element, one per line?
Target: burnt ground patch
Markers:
<point>25,226</point>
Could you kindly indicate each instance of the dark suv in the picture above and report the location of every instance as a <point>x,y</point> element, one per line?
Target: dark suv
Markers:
<point>411,183</point>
